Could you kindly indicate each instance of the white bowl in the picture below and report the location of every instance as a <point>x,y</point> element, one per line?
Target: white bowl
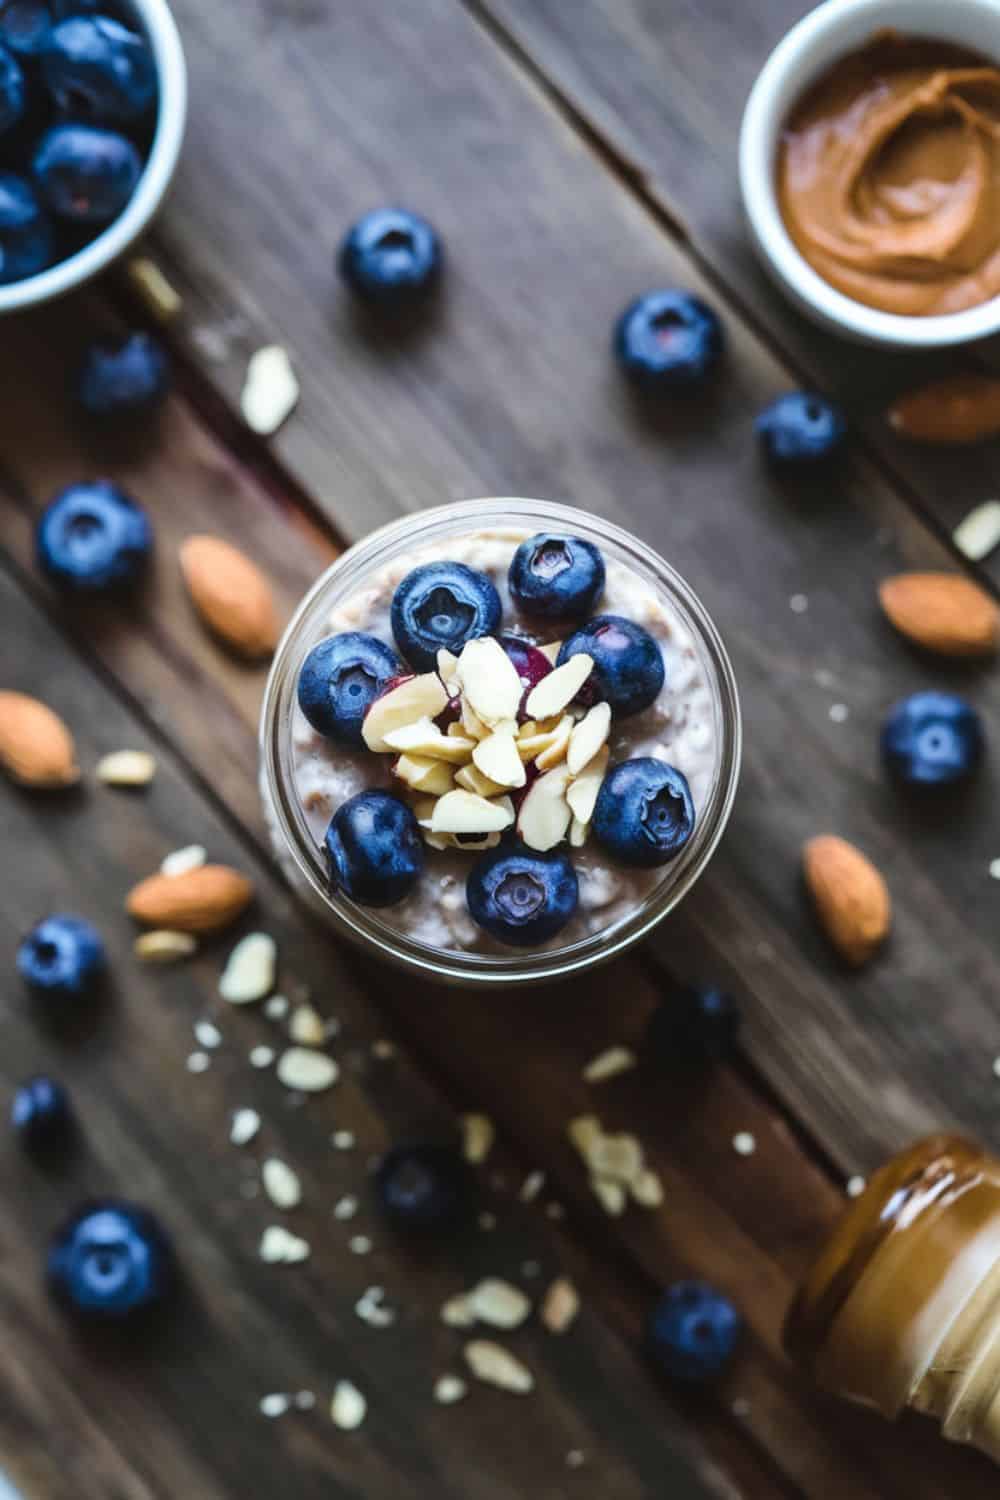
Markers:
<point>154,18</point>
<point>808,50</point>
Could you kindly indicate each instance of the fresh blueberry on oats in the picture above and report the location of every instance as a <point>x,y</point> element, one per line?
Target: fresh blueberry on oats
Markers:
<point>25,231</point>
<point>442,604</point>
<point>62,959</point>
<point>693,1332</point>
<point>84,173</point>
<point>932,739</point>
<point>93,537</point>
<point>530,664</point>
<point>126,377</point>
<point>374,849</point>
<point>25,25</point>
<point>644,814</point>
<point>800,429</point>
<point>40,1114</point>
<point>110,1261</point>
<point>423,1186</point>
<point>391,255</point>
<point>13,91</point>
<point>340,680</point>
<point>522,897</point>
<point>556,577</point>
<point>668,341</point>
<point>98,70</point>
<point>692,1026</point>
<point>628,664</point>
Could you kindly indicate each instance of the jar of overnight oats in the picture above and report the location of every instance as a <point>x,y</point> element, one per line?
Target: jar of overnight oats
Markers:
<point>692,725</point>
<point>902,1305</point>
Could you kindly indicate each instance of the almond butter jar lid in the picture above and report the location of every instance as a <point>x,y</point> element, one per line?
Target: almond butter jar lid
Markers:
<point>297,848</point>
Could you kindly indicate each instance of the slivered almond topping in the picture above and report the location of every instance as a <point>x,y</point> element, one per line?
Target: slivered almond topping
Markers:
<point>200,900</point>
<point>416,698</point>
<point>471,723</point>
<point>647,1189</point>
<point>588,737</point>
<point>498,1303</point>
<point>551,651</point>
<point>425,774</point>
<point>560,1306</point>
<point>249,971</point>
<point>618,1157</point>
<point>582,792</point>
<point>126,768</point>
<point>425,738</point>
<point>36,748</point>
<point>489,681</point>
<point>447,665</point>
<point>545,814</point>
<point>497,758</point>
<point>471,779</point>
<point>609,1064</point>
<point>535,737</point>
<point>495,1365</point>
<point>578,833</point>
<point>583,1130</point>
<point>555,750</point>
<point>610,1195</point>
<point>478,1135</point>
<point>556,691</point>
<point>464,812</point>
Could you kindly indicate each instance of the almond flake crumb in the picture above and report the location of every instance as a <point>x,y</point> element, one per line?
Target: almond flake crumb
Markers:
<point>346,1207</point>
<point>384,1050</point>
<point>161,946</point>
<point>262,1057</point>
<point>371,1309</point>
<point>855,1187</point>
<point>531,1187</point>
<point>647,1189</point>
<point>246,1123</point>
<point>575,1458</point>
<point>478,1136</point>
<point>281,1184</point>
<point>249,971</point>
<point>126,768</point>
<point>207,1035</point>
<point>276,1008</point>
<point>348,1408</point>
<point>744,1143</point>
<point>270,391</point>
<point>305,1400</point>
<point>306,1027</point>
<point>448,1389</point>
<point>798,604</point>
<point>280,1248</point>
<point>979,533</point>
<point>359,1244</point>
<point>342,1140</point>
<point>494,1365</point>
<point>560,1305</point>
<point>609,1194</point>
<point>161,298</point>
<point>457,1312</point>
<point>487,1221</point>
<point>609,1064</point>
<point>308,1071</point>
<point>198,1062</point>
<point>498,1303</point>
<point>274,1405</point>
<point>839,713</point>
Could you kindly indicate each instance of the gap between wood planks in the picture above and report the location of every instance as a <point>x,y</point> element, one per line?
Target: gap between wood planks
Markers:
<point>633,180</point>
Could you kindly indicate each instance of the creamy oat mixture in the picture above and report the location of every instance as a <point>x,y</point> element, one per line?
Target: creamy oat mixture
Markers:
<point>681,727</point>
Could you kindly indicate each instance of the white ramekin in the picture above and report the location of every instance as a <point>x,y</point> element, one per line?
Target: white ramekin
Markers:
<point>155,19</point>
<point>808,50</point>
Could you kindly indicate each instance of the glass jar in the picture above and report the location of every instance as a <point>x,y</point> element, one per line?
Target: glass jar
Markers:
<point>902,1306</point>
<point>399,544</point>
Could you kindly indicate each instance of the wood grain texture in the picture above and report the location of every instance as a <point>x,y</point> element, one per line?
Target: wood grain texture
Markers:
<point>662,86</point>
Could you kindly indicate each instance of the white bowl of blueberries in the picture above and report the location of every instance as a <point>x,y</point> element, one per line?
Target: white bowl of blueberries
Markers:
<point>93,102</point>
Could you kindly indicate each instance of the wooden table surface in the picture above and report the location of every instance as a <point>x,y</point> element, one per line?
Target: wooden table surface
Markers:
<point>572,156</point>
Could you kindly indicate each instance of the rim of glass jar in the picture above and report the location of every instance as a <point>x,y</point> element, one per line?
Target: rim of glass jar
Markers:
<point>308,624</point>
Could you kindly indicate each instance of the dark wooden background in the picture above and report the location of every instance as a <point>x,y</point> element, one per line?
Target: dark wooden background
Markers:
<point>572,156</point>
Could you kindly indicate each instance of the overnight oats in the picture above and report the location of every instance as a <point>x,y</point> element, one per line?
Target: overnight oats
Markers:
<point>500,740</point>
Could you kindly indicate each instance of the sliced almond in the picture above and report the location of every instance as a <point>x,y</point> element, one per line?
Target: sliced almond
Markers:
<point>609,1064</point>
<point>495,1365</point>
<point>448,1389</point>
<point>424,774</point>
<point>581,794</point>
<point>425,738</point>
<point>447,665</point>
<point>498,759</point>
<point>36,748</point>
<point>245,1125</point>
<point>557,691</point>
<point>545,814</point>
<point>471,779</point>
<point>478,1135</point>
<point>201,900</point>
<point>163,946</point>
<point>231,594</point>
<point>414,699</point>
<point>536,736</point>
<point>489,681</point>
<point>555,750</point>
<point>610,1195</point>
<point>979,534</point>
<point>578,833</point>
<point>278,1247</point>
<point>472,725</point>
<point>560,1305</point>
<point>647,1189</point>
<point>306,1027</point>
<point>281,1184</point>
<point>270,390</point>
<point>348,1408</point>
<point>179,861</point>
<point>588,737</point>
<point>583,1131</point>
<point>249,971</point>
<point>615,1157</point>
<point>498,1303</point>
<point>464,812</point>
<point>307,1071</point>
<point>126,768</point>
<point>457,1312</point>
<point>551,650</point>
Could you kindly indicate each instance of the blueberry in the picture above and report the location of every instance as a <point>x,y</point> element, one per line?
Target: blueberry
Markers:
<point>374,848</point>
<point>92,537</point>
<point>98,70</point>
<point>390,256</point>
<point>422,1187</point>
<point>556,577</point>
<point>62,958</point>
<point>692,1026</point>
<point>128,377</point>
<point>13,91</point>
<point>84,173</point>
<point>800,429</point>
<point>628,664</point>
<point>25,25</point>
<point>530,664</point>
<point>340,680</point>
<point>110,1261</point>
<point>692,1332</point>
<point>442,604</point>
<point>40,1114</point>
<point>25,231</point>
<point>932,739</point>
<point>521,897</point>
<point>668,341</point>
<point>644,814</point>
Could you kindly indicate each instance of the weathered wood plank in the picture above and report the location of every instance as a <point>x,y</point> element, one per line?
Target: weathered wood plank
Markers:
<point>663,87</point>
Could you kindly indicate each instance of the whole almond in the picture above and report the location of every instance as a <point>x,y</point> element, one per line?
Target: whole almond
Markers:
<point>851,897</point>
<point>942,612</point>
<point>961,409</point>
<point>200,900</point>
<point>36,748</point>
<point>231,594</point>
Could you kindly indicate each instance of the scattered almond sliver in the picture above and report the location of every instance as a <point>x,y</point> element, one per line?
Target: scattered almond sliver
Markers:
<point>163,946</point>
<point>497,758</point>
<point>348,1408</point>
<point>609,1064</point>
<point>610,1195</point>
<point>307,1071</point>
<point>281,1184</point>
<point>425,738</point>
<point>979,534</point>
<point>249,971</point>
<point>280,1248</point>
<point>449,1388</point>
<point>457,1313</point>
<point>557,691</point>
<point>306,1027</point>
<point>588,737</point>
<point>495,1365</point>
<point>478,1135</point>
<point>417,698</point>
<point>180,861</point>
<point>489,681</point>
<point>616,1165</point>
<point>560,1305</point>
<point>126,768</point>
<point>464,812</point>
<point>498,1303</point>
<point>545,814</point>
<point>583,790</point>
<point>270,390</point>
